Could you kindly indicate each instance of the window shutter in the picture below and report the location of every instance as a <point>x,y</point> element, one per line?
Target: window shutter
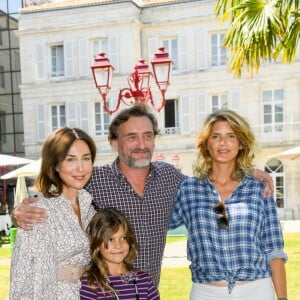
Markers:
<point>183,54</point>
<point>84,62</point>
<point>235,101</point>
<point>201,110</point>
<point>201,50</point>
<point>71,114</point>
<point>68,59</point>
<point>41,122</point>
<point>84,115</point>
<point>40,71</point>
<point>114,53</point>
<point>185,114</point>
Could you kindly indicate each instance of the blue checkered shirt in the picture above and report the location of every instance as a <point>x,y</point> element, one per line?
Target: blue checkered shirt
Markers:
<point>240,253</point>
<point>149,215</point>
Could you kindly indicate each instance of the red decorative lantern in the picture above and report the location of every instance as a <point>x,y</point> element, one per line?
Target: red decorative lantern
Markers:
<point>139,90</point>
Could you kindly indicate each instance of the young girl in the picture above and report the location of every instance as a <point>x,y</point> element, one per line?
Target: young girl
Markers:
<point>113,249</point>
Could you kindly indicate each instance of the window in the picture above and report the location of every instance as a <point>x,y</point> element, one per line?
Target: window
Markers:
<point>1,39</point>
<point>58,116</point>
<point>100,46</point>
<point>2,81</point>
<point>171,46</point>
<point>218,52</point>
<point>219,102</point>
<point>109,46</point>
<point>101,120</point>
<point>273,110</point>
<point>275,168</point>
<point>2,128</point>
<point>171,117</point>
<point>57,61</point>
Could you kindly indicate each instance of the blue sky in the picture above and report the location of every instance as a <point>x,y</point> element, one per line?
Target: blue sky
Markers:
<point>11,6</point>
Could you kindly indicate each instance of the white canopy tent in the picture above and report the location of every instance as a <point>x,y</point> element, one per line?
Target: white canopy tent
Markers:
<point>10,160</point>
<point>21,191</point>
<point>31,169</point>
<point>292,154</point>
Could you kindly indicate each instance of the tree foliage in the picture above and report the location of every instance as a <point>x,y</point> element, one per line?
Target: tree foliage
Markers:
<point>259,30</point>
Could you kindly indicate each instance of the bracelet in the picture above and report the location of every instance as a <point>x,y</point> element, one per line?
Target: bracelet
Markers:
<point>282,298</point>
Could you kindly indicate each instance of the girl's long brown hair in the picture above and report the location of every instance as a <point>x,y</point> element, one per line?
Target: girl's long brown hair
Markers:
<point>103,225</point>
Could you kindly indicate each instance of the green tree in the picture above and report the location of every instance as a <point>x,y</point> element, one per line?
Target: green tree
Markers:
<point>259,30</point>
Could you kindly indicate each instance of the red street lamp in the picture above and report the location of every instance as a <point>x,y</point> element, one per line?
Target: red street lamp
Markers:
<point>139,90</point>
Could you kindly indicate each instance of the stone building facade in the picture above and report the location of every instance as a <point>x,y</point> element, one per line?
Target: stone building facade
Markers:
<point>59,39</point>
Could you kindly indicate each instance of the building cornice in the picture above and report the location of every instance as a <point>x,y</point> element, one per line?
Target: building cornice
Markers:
<point>71,4</point>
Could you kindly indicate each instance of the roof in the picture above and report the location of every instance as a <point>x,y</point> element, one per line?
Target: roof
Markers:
<point>46,5</point>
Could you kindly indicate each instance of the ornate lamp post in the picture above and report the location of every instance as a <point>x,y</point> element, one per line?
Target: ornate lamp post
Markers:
<point>139,90</point>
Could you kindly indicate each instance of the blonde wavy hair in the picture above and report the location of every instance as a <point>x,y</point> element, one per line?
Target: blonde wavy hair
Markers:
<point>245,136</point>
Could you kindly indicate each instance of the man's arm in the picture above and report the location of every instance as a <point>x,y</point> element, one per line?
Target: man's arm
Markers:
<point>266,178</point>
<point>25,215</point>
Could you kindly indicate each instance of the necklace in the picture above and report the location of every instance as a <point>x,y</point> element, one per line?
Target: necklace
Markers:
<point>126,278</point>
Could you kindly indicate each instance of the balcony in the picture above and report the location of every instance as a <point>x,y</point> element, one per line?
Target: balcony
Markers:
<point>171,131</point>
<point>277,133</point>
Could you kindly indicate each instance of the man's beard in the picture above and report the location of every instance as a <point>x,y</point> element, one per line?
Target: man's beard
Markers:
<point>139,163</point>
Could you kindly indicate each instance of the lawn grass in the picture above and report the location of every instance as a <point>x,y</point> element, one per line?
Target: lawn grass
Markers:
<point>4,280</point>
<point>292,248</point>
<point>176,282</point>
<point>174,239</point>
<point>5,254</point>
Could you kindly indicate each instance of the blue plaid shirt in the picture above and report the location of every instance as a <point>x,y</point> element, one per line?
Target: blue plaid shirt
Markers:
<point>242,252</point>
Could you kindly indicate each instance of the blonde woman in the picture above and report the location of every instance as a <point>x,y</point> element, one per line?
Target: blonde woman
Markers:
<point>235,242</point>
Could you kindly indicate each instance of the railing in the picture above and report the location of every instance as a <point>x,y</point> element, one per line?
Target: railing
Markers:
<point>171,131</point>
<point>277,133</point>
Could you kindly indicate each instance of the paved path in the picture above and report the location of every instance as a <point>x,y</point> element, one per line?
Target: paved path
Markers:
<point>290,226</point>
<point>175,253</point>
